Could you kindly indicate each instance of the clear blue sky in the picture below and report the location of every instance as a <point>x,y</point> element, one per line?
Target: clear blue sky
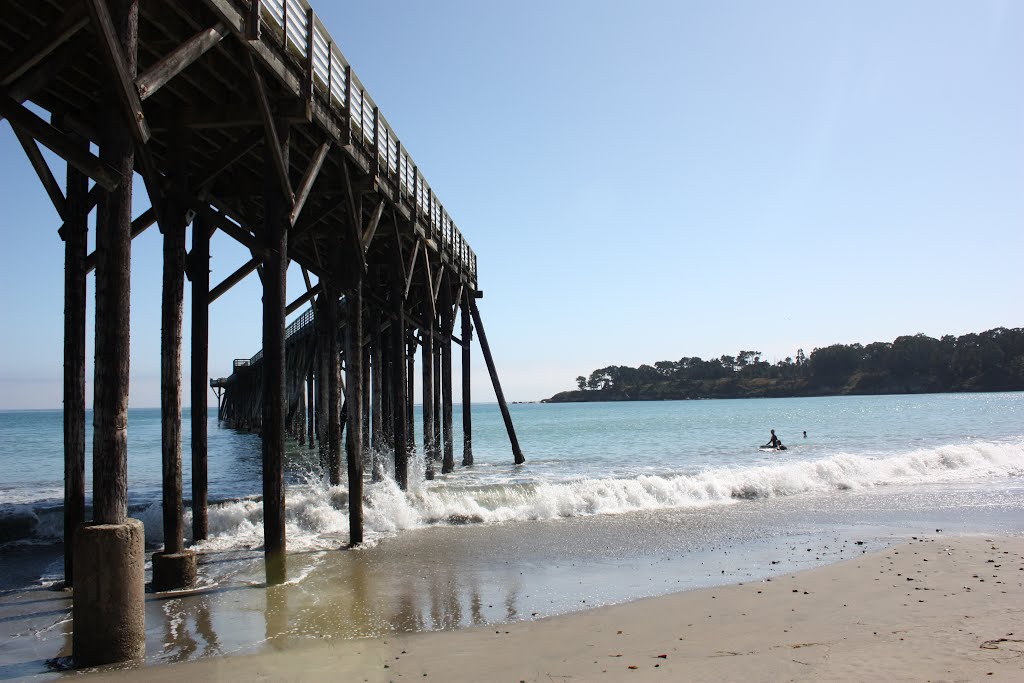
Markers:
<point>648,180</point>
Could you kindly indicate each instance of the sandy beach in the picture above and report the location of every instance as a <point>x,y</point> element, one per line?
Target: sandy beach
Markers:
<point>936,608</point>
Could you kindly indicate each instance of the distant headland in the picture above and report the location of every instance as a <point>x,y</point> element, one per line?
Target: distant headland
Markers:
<point>913,364</point>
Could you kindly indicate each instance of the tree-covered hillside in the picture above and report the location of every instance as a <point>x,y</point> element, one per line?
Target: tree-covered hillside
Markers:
<point>987,361</point>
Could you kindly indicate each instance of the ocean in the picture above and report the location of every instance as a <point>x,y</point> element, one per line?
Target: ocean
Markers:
<point>616,501</point>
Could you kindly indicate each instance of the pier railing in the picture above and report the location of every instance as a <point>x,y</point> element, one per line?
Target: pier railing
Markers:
<point>294,26</point>
<point>298,325</point>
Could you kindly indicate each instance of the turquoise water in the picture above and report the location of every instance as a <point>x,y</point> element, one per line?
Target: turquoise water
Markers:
<point>582,459</point>
<point>615,502</point>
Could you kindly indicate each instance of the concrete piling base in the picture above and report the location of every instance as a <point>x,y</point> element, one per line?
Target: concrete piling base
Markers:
<point>172,571</point>
<point>109,609</point>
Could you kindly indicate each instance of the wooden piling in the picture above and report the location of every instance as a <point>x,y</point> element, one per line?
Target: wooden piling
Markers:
<point>447,438</point>
<point>172,301</point>
<point>113,303</point>
<point>199,268</point>
<point>398,383</point>
<point>300,407</point>
<point>426,359</point>
<point>329,310</point>
<point>437,387</point>
<point>410,395</point>
<point>275,268</point>
<point>76,228</point>
<point>354,386</point>
<point>310,405</point>
<point>485,347</point>
<point>108,607</point>
<point>367,385</point>
<point>322,384</point>
<point>467,403</point>
<point>377,370</point>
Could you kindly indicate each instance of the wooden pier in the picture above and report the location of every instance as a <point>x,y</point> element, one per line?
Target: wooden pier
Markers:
<point>240,116</point>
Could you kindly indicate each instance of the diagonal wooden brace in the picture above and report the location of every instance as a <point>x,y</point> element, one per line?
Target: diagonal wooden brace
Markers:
<point>270,129</point>
<point>177,61</point>
<point>58,142</point>
<point>110,48</point>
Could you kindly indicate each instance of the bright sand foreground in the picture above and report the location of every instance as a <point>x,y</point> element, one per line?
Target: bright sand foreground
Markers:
<point>936,609</point>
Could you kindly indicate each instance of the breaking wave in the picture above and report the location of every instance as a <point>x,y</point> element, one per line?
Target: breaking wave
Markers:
<point>317,514</point>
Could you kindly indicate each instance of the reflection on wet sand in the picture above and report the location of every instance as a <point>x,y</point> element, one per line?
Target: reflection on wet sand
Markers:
<point>276,615</point>
<point>360,594</point>
<point>439,579</point>
<point>188,623</point>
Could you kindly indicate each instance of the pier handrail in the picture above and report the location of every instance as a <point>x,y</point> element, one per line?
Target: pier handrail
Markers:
<point>297,29</point>
<point>296,326</point>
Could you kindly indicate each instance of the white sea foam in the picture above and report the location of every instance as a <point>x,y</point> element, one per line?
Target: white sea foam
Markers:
<point>317,515</point>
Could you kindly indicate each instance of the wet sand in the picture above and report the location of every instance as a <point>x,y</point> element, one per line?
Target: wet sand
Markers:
<point>936,608</point>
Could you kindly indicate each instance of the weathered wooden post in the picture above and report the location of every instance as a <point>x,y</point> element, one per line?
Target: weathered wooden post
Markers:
<point>322,384</point>
<point>377,371</point>
<point>300,406</point>
<point>354,387</point>
<point>174,567</point>
<point>398,384</point>
<point>275,267</point>
<point>367,386</point>
<point>329,317</point>
<point>448,461</point>
<point>75,236</point>
<point>108,609</point>
<point>410,396</point>
<point>199,268</point>
<point>310,403</point>
<point>516,452</point>
<point>437,325</point>
<point>426,359</point>
<point>467,404</point>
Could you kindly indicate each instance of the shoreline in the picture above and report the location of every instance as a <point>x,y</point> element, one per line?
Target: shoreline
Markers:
<point>945,607</point>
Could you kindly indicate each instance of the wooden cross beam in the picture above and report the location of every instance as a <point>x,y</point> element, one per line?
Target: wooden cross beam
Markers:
<point>310,293</point>
<point>177,61</point>
<point>371,227</point>
<point>451,323</point>
<point>41,46</point>
<point>42,169</point>
<point>270,129</point>
<point>240,235</point>
<point>354,215</point>
<point>431,292</point>
<point>233,279</point>
<point>307,181</point>
<point>437,283</point>
<point>155,187</point>
<point>110,48</point>
<point>399,256</point>
<point>139,225</point>
<point>223,116</point>
<point>411,269</point>
<point>228,156</point>
<point>309,224</point>
<point>59,143</point>
<point>91,200</point>
<point>43,74</point>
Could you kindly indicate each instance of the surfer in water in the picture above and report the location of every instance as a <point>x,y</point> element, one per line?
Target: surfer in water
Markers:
<point>774,442</point>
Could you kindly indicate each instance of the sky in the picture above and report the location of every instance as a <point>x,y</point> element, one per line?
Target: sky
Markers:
<point>644,181</point>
